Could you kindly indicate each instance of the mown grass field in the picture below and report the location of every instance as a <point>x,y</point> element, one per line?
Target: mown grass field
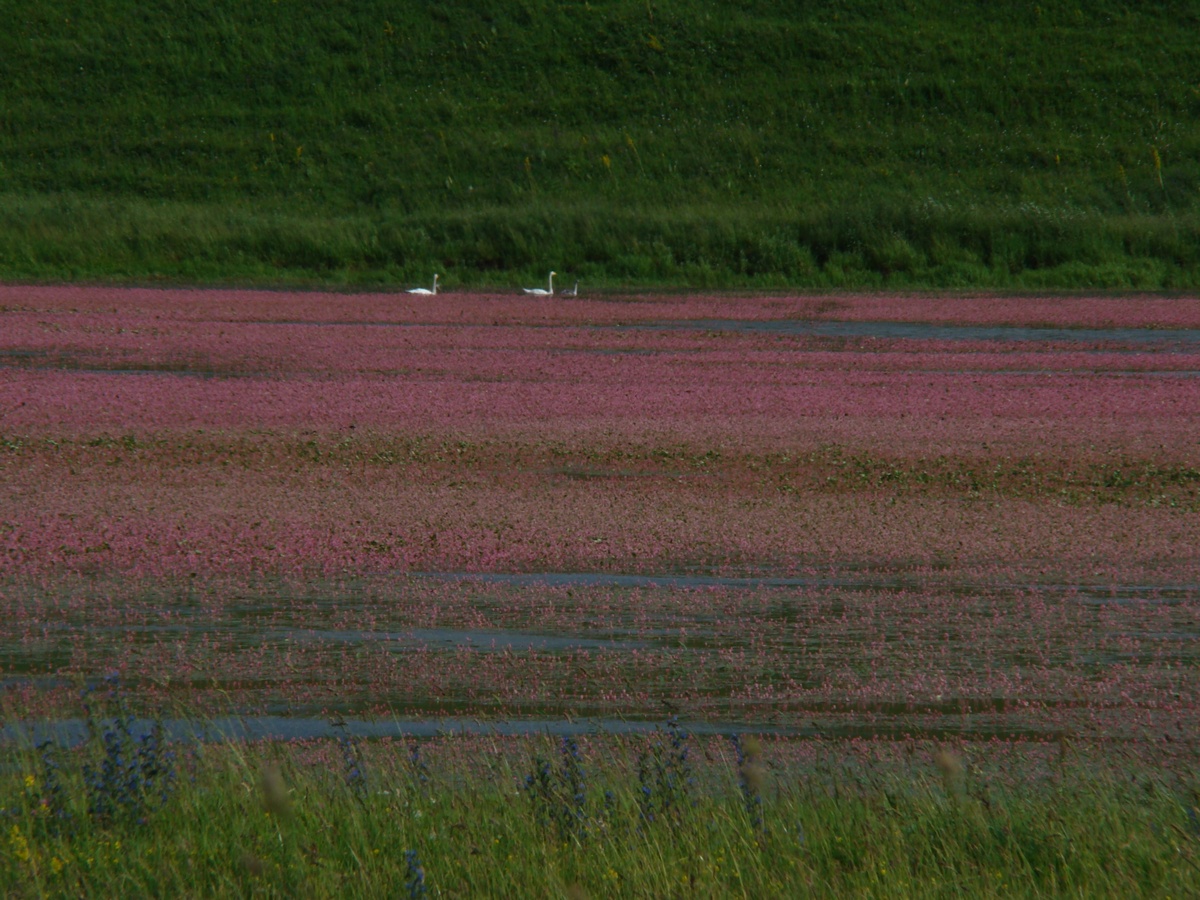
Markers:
<point>628,144</point>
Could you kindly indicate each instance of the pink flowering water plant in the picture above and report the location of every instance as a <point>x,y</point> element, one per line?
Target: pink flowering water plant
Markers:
<point>308,504</point>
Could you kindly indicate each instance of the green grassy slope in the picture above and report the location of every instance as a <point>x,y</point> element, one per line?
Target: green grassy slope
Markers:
<point>626,142</point>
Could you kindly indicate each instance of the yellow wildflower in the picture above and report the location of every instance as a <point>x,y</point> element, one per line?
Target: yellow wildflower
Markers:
<point>19,845</point>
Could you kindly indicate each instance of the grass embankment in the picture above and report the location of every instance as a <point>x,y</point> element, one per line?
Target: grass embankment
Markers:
<point>625,143</point>
<point>662,815</point>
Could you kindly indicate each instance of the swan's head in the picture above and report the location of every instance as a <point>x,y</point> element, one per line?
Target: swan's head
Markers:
<point>552,274</point>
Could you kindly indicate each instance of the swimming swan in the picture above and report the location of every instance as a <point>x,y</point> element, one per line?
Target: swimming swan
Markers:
<point>542,292</point>
<point>571,292</point>
<point>424,290</point>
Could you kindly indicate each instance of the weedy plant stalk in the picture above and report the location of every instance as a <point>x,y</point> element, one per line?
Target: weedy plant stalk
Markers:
<point>355,769</point>
<point>128,775</point>
<point>665,776</point>
<point>559,795</point>
<point>751,779</point>
<point>414,880</point>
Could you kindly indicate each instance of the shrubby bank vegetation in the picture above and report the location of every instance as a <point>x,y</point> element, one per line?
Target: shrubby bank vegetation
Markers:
<point>630,143</point>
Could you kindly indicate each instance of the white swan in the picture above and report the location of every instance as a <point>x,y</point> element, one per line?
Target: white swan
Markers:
<point>571,292</point>
<point>424,290</point>
<point>542,292</point>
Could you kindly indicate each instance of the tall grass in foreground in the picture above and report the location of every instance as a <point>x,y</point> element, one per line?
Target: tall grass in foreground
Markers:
<point>662,815</point>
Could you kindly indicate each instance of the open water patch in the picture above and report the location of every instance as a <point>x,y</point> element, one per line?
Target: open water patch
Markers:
<point>452,638</point>
<point>76,731</point>
<point>479,640</point>
<point>618,580</point>
<point>854,579</point>
<point>1189,337</point>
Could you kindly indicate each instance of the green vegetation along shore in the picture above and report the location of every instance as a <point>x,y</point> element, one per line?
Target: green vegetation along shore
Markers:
<point>630,143</point>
